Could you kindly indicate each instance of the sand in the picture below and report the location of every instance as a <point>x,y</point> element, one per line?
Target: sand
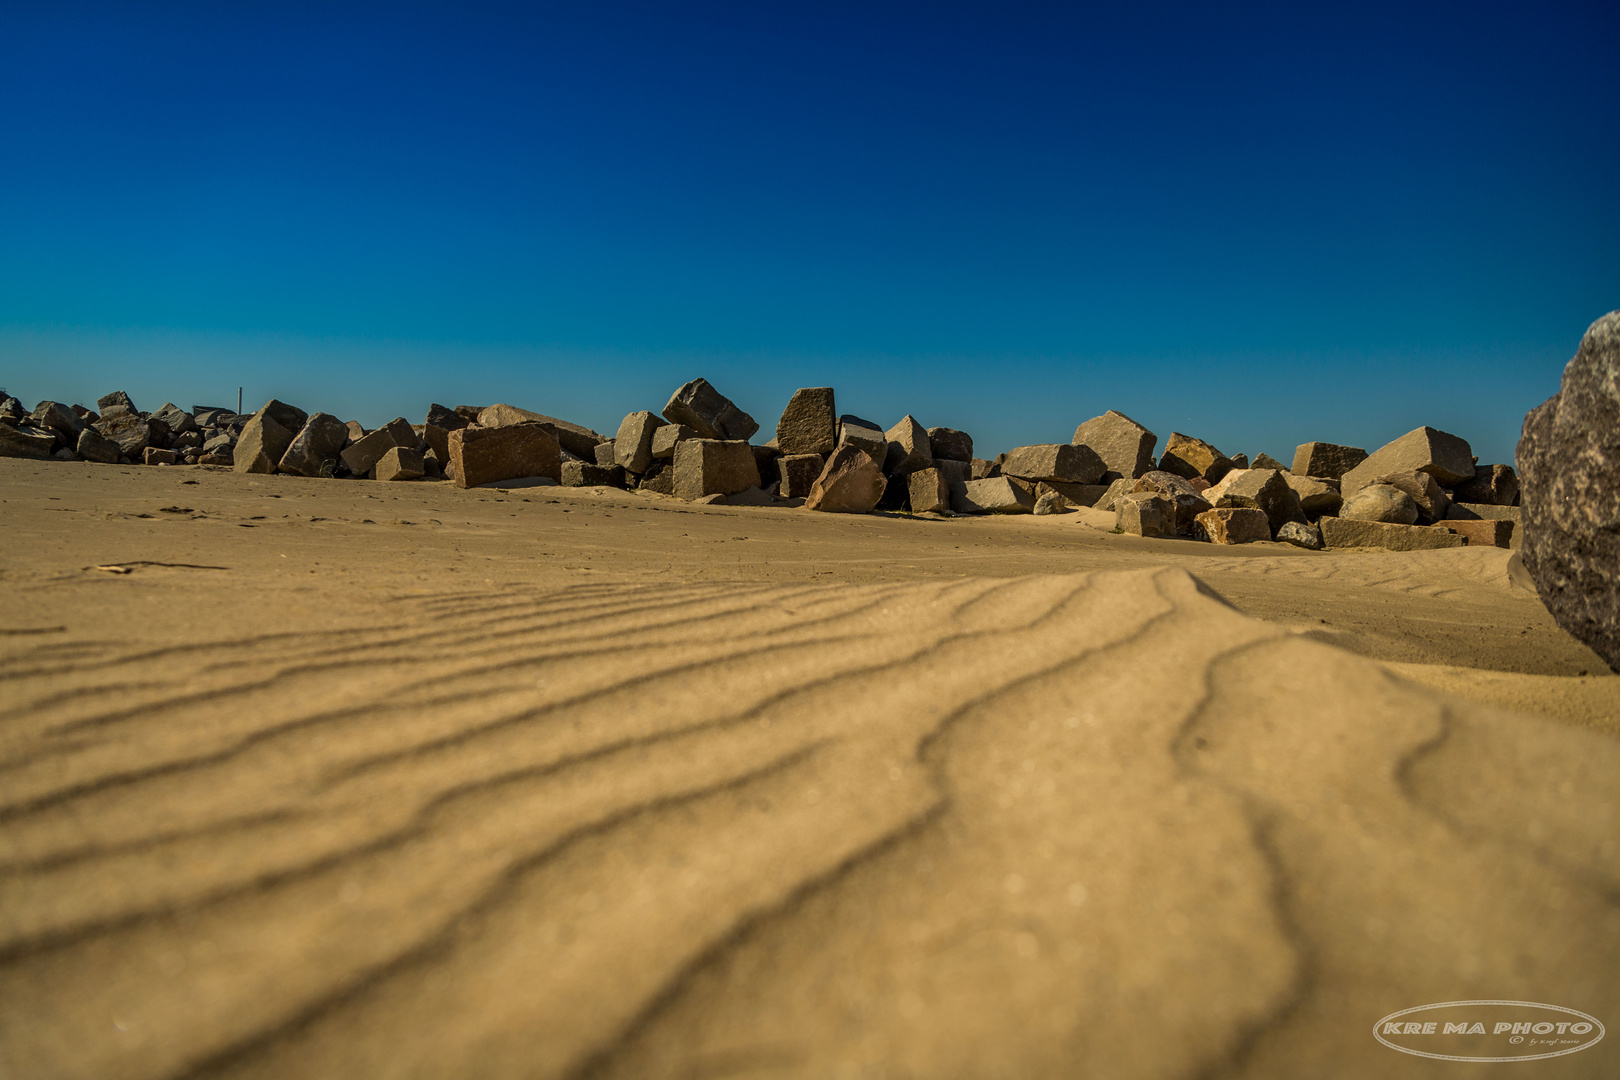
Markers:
<point>318,778</point>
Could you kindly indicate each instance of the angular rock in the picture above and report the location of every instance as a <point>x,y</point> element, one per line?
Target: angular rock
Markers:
<point>260,445</point>
<point>178,420</point>
<point>26,442</point>
<point>1260,489</point>
<point>948,444</point>
<point>1188,500</point>
<point>1423,449</point>
<point>132,434</point>
<point>607,456</point>
<point>575,438</point>
<point>765,460</point>
<point>1266,461</point>
<point>94,446</point>
<point>665,438</point>
<point>361,457</point>
<point>907,448</point>
<point>153,455</point>
<point>896,493</point>
<point>317,444</point>
<point>115,399</point>
<point>1240,461</point>
<point>1569,487</point>
<point>1054,462</point>
<point>954,472</point>
<point>1073,494</point>
<point>1050,502</point>
<point>1494,484</point>
<point>436,430</point>
<point>470,413</point>
<point>659,479</point>
<point>11,410</point>
<point>212,416</point>
<point>1340,532</point>
<point>713,467</point>
<point>1233,524</point>
<point>867,436</point>
<point>189,440</point>
<point>1483,533</point>
<point>588,474</point>
<point>1465,511</point>
<point>1425,491</point>
<point>400,463</point>
<point>1189,457</point>
<point>58,418</point>
<point>850,482</point>
<point>1145,513</point>
<point>930,492</point>
<point>290,417</point>
<point>992,495</point>
<point>1316,496</point>
<point>798,473</point>
<point>1125,447</point>
<point>809,424</point>
<point>709,413</point>
<point>480,455</point>
<point>632,446</point>
<point>1327,460</point>
<point>980,469</point>
<point>1305,536</point>
<point>1380,502</point>
<point>1107,500</point>
<point>219,444</point>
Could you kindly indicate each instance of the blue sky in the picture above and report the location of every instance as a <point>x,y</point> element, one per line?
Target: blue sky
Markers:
<point>1258,224</point>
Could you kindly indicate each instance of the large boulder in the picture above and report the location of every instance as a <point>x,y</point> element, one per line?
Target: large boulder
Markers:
<point>992,495</point>
<point>260,446</point>
<point>114,400</point>
<point>1232,524</point>
<point>1569,485</point>
<point>797,474</point>
<point>1380,502</point>
<point>314,450</point>
<point>809,424</point>
<point>949,444</point>
<point>1061,462</point>
<point>436,431</point>
<point>1145,513</point>
<point>361,456</point>
<point>1125,447</point>
<point>575,438</point>
<point>11,410</point>
<point>1496,484</point>
<point>26,442</point>
<point>178,420</point>
<point>1317,496</point>
<point>1192,458</point>
<point>1425,490</point>
<point>665,438</point>
<point>483,455</point>
<point>1344,533</point>
<point>908,448</point>
<point>864,436</point>
<point>714,467</point>
<point>930,492</point>
<point>288,416</point>
<point>1444,456</point>
<point>400,463</point>
<point>632,446</point>
<point>1258,489</point>
<point>1327,460</point>
<point>1181,493</point>
<point>133,433</point>
<point>94,446</point>
<point>60,419</point>
<point>850,483</point>
<point>709,413</point>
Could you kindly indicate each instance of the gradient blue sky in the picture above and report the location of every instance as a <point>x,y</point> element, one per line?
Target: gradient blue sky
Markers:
<point>1260,224</point>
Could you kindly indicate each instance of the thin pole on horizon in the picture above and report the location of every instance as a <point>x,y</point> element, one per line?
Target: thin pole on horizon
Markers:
<point>238,401</point>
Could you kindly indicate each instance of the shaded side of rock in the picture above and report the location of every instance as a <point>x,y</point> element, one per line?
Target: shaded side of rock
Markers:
<point>1446,457</point>
<point>1343,532</point>
<point>950,445</point>
<point>907,448</point>
<point>713,467</point>
<point>1327,460</point>
<point>850,482</point>
<point>632,446</point>
<point>1189,457</point>
<point>1125,447</point>
<point>1062,462</point>
<point>809,424</point>
<point>709,413</point>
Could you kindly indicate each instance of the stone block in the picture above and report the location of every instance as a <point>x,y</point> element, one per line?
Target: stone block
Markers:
<point>116,399</point>
<point>314,450</point>
<point>153,455</point>
<point>1266,461</point>
<point>954,472</point>
<point>1330,461</point>
<point>992,495</point>
<point>261,444</point>
<point>290,417</point>
<point>1340,532</point>
<point>809,424</point>
<point>709,413</point>
<point>1060,462</point>
<point>589,474</point>
<point>1123,486</point>
<point>1483,532</point>
<point>867,436</point>
<point>765,460</point>
<point>1305,536</point>
<point>1050,502</point>
<point>1447,457</point>
<point>1493,484</point>
<point>607,456</point>
<point>659,479</point>
<point>930,491</point>
<point>632,446</point>
<point>665,438</point>
<point>436,431</point>
<point>907,449</point>
<point>94,446</point>
<point>1125,447</point>
<point>982,469</point>
<point>798,473</point>
<point>1259,489</point>
<point>399,463</point>
<point>1073,494</point>
<point>1183,494</point>
<point>1380,502</point>
<point>1425,492</point>
<point>1145,513</point>
<point>850,482</point>
<point>176,419</point>
<point>1233,524</point>
<point>361,457</point>
<point>948,444</point>
<point>26,442</point>
<point>713,467</point>
<point>1316,495</point>
<point>1188,457</point>
<point>575,438</point>
<point>59,419</point>
<point>480,455</point>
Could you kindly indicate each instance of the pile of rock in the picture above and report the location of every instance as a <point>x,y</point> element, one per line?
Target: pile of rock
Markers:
<point>115,432</point>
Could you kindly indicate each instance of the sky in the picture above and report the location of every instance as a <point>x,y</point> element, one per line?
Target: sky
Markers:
<point>1259,224</point>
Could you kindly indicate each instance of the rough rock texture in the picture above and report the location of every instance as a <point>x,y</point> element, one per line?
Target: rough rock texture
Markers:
<point>632,446</point>
<point>992,495</point>
<point>1064,462</point>
<point>1188,500</point>
<point>809,424</point>
<point>1342,532</point>
<point>1430,499</point>
<point>605,455</point>
<point>177,419</point>
<point>709,413</point>
<point>1116,490</point>
<point>867,436</point>
<point>60,419</point>
<point>1261,489</point>
<point>1266,461</point>
<point>1240,461</point>
<point>1300,535</point>
<point>981,469</point>
<point>950,445</point>
<point>436,432</point>
<point>798,473</point>
<point>132,433</point>
<point>316,446</point>
<point>21,442</point>
<point>907,449</point>
<point>288,416</point>
<point>154,455</point>
<point>1317,496</point>
<point>851,483</point>
<point>1484,532</point>
<point>1232,525</point>
<point>1497,484</point>
<point>659,479</point>
<point>575,438</point>
<point>261,444</point>
<point>1569,478</point>
<point>400,463</point>
<point>1189,457</point>
<point>713,467</point>
<point>665,438</point>
<point>954,472</point>
<point>1145,513</point>
<point>480,455</point>
<point>1327,460</point>
<point>1380,502</point>
<point>94,446</point>
<point>360,457</point>
<point>590,474</point>
<point>1424,449</point>
<point>930,492</point>
<point>1460,511</point>
<point>1125,447</point>
<point>113,400</point>
<point>1050,502</point>
<point>1073,494</point>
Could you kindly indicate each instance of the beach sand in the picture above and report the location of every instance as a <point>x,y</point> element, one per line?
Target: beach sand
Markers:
<point>320,778</point>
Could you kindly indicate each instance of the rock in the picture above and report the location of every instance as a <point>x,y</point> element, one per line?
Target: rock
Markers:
<point>930,491</point>
<point>1483,533</point>
<point>260,446</point>
<point>132,434</point>
<point>980,469</point>
<point>896,493</point>
<point>809,424</point>
<point>1260,489</point>
<point>1327,460</point>
<point>317,444</point>
<point>1424,490</point>
<point>710,500</point>
<point>954,472</point>
<point>177,419</point>
<point>1188,500</point>
<point>21,442</point>
<point>94,446</point>
<point>1145,513</point>
<point>907,448</point>
<point>798,473</point>
<point>632,446</point>
<point>1423,449</point>
<point>1050,502</point>
<point>1380,502</point>
<point>116,399</point>
<point>361,457</point>
<point>576,439</point>
<point>11,410</point>
<point>290,417</point>
<point>948,444</point>
<point>1062,462</point>
<point>765,460</point>
<point>153,455</point>
<point>854,431</point>
<point>713,467</point>
<point>58,418</point>
<point>1189,457</point>
<point>470,413</point>
<point>436,430</point>
<point>213,416</point>
<point>850,482</point>
<point>1233,524</point>
<point>219,444</point>
<point>480,455</point>
<point>1569,486</point>
<point>1316,496</point>
<point>665,438</point>
<point>1492,484</point>
<point>1107,500</point>
<point>589,474</point>
<point>709,413</point>
<point>221,459</point>
<point>62,453</point>
<point>607,456</point>
<point>1464,511</point>
<point>1266,461</point>
<point>189,440</point>
<point>992,495</point>
<point>1125,447</point>
<point>659,479</point>
<point>1240,461</point>
<point>1338,532</point>
<point>400,463</point>
<point>1073,494</point>
<point>1300,535</point>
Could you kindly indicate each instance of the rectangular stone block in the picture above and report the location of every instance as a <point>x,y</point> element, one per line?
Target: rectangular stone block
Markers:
<point>714,467</point>
<point>798,471</point>
<point>490,455</point>
<point>589,474</point>
<point>992,495</point>
<point>1076,494</point>
<point>362,456</point>
<point>400,463</point>
<point>1485,532</point>
<point>1343,532</point>
<point>930,491</point>
<point>1145,513</point>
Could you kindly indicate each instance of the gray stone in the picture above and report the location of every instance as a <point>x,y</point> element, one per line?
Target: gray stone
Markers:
<point>178,420</point>
<point>1425,491</point>
<point>1266,461</point>
<point>317,444</point>
<point>1259,489</point>
<point>480,455</point>
<point>1125,447</point>
<point>1316,495</point>
<point>1345,533</point>
<point>1300,535</point>
<point>58,418</point>
<point>575,438</point>
<point>156,455</point>
<point>954,472</point>
<point>1062,462</point>
<point>219,444</point>
<point>850,482</point>
<point>1233,524</point>
<point>659,479</point>
<point>709,413</point>
<point>1183,494</point>
<point>908,448</point>
<point>436,431</point>
<point>864,435</point>
<point>1380,502</point>
<point>632,446</point>
<point>260,445</point>
<point>982,469</point>
<point>1050,502</point>
<point>1327,460</point>
<point>26,442</point>
<point>1240,461</point>
<point>189,440</point>
<point>1073,494</point>
<point>809,424</point>
<point>361,457</point>
<point>114,400</point>
<point>797,473</point>
<point>11,410</point>
<point>94,446</point>
<point>400,463</point>
<point>213,416</point>
<point>930,491</point>
<point>1495,484</point>
<point>1107,500</point>
<point>132,434</point>
<point>589,474</point>
<point>713,467</point>
<point>665,438</point>
<point>1569,485</point>
<point>607,456</point>
<point>1423,449</point>
<point>948,444</point>
<point>1189,457</point>
<point>290,417</point>
<point>1145,513</point>
<point>992,495</point>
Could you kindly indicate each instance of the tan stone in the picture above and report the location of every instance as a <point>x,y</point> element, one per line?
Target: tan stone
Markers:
<point>1061,462</point>
<point>400,463</point>
<point>481,455</point>
<point>1145,513</point>
<point>1326,460</point>
<point>632,446</point>
<point>713,467</point>
<point>1232,525</point>
<point>930,492</point>
<point>1343,532</point>
<point>850,483</point>
<point>809,424</point>
<point>1125,447</point>
<point>907,449</point>
<point>1483,532</point>
<point>261,444</point>
<point>992,495</point>
<point>576,439</point>
<point>1424,449</point>
<point>1189,457</point>
<point>361,457</point>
